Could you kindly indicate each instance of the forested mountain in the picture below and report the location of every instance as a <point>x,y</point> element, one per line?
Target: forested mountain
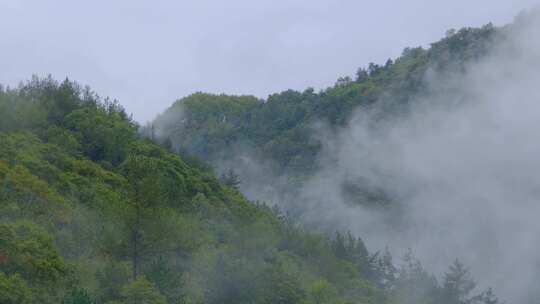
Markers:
<point>281,128</point>
<point>284,134</point>
<point>285,149</point>
<point>97,209</point>
<point>275,145</point>
<point>90,212</point>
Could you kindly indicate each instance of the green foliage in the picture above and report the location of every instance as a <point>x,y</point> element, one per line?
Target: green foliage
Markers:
<point>282,130</point>
<point>102,132</point>
<point>92,213</point>
<point>281,287</point>
<point>29,251</point>
<point>30,265</point>
<point>322,292</point>
<point>141,291</point>
<point>110,279</point>
<point>79,296</point>
<point>14,290</point>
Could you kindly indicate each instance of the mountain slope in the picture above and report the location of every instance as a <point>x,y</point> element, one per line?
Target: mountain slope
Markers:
<point>280,129</point>
<point>93,212</point>
<point>435,148</point>
<point>90,213</point>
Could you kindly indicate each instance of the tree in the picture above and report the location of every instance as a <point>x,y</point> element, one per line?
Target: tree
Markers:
<point>103,132</point>
<point>148,191</point>
<point>283,288</point>
<point>14,290</point>
<point>362,75</point>
<point>111,278</point>
<point>384,272</point>
<point>29,258</point>
<point>373,69</point>
<point>142,291</point>
<point>457,285</point>
<point>165,277</point>
<point>78,296</point>
<point>351,249</point>
<point>343,81</point>
<point>322,292</point>
<point>413,284</point>
<point>339,246</point>
<point>30,252</point>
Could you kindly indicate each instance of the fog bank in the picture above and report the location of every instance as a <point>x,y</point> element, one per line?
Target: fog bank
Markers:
<point>463,165</point>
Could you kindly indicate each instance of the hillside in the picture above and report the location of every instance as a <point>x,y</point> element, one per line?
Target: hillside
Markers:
<point>92,213</point>
<point>432,150</point>
<point>286,134</point>
<point>281,129</point>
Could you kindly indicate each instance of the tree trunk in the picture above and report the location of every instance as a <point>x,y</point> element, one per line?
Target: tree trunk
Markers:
<point>136,242</point>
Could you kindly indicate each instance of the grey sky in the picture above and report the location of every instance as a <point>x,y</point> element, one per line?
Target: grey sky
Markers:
<point>149,53</point>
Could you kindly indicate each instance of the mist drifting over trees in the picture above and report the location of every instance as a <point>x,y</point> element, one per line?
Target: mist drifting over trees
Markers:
<point>433,151</point>
<point>413,181</point>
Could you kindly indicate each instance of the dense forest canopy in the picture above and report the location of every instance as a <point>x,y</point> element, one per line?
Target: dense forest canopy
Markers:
<point>280,128</point>
<point>96,209</point>
<point>93,213</point>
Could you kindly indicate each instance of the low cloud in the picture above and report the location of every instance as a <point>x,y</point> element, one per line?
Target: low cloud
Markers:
<point>463,165</point>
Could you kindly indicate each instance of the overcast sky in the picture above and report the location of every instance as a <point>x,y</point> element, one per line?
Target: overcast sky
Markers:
<point>149,53</point>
